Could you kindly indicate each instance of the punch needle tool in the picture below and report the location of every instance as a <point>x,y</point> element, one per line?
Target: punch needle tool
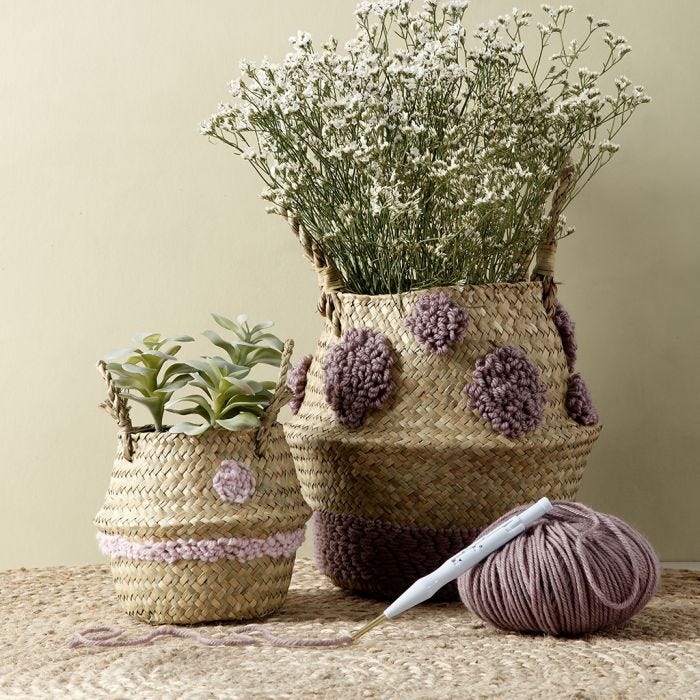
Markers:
<point>427,586</point>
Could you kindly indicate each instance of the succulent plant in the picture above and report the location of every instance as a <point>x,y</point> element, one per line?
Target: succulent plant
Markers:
<point>253,346</point>
<point>140,376</point>
<point>227,400</point>
<point>151,374</point>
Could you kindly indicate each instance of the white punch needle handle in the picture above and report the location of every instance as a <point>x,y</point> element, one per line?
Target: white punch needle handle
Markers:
<point>429,585</point>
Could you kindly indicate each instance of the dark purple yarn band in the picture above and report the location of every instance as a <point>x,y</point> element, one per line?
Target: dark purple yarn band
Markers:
<point>381,558</point>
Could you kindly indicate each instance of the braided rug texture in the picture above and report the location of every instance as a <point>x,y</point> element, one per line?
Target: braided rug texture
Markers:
<point>434,651</point>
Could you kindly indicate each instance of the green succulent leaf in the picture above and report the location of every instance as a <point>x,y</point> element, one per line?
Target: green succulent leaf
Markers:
<point>256,387</point>
<point>158,355</point>
<point>241,387</point>
<point>221,343</point>
<point>199,384</point>
<point>224,322</point>
<point>115,367</point>
<point>240,406</point>
<point>151,402</point>
<point>178,368</point>
<point>242,421</point>
<point>224,367</point>
<point>199,401</point>
<point>189,428</point>
<point>270,340</point>
<point>127,380</point>
<point>173,386</point>
<point>181,338</point>
<point>146,338</point>
<point>190,411</point>
<point>122,383</point>
<point>197,365</point>
<point>116,354</point>
<point>206,371</point>
<point>172,351</point>
<point>265,356</point>
<point>133,368</point>
<point>263,325</point>
<point>237,374</point>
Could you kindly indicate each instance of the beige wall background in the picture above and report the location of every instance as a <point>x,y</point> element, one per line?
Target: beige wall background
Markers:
<point>118,217</point>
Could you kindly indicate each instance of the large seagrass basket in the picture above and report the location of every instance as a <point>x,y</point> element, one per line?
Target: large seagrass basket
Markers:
<point>202,528</point>
<point>420,478</point>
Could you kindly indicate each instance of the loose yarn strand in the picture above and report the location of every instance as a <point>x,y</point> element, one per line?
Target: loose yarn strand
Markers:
<point>573,571</point>
<point>609,548</point>
<point>242,636</point>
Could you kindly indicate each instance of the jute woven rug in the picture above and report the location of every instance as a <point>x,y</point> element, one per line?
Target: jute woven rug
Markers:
<point>435,651</point>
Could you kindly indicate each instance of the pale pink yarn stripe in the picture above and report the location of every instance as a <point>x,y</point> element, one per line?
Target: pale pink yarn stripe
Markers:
<point>242,636</point>
<point>281,544</point>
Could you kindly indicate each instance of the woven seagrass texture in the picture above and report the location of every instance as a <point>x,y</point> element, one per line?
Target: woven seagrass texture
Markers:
<point>167,490</point>
<point>196,591</point>
<point>431,652</point>
<point>425,459</point>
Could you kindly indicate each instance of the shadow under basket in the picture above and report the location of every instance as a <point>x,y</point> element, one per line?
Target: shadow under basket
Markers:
<point>204,527</point>
<point>425,473</point>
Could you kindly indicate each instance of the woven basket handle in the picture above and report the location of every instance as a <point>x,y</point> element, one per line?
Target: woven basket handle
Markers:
<point>281,396</point>
<point>117,407</point>
<point>329,279</point>
<point>546,252</point>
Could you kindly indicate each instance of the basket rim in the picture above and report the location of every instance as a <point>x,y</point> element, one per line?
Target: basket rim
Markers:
<point>461,288</point>
<point>138,433</point>
<point>300,435</point>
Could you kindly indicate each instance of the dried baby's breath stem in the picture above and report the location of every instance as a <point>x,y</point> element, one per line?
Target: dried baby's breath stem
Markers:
<point>423,154</point>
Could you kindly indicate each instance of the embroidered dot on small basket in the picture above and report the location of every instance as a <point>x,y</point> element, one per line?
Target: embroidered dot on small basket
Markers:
<point>234,482</point>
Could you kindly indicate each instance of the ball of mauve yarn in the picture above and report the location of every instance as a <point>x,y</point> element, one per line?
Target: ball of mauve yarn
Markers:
<point>574,571</point>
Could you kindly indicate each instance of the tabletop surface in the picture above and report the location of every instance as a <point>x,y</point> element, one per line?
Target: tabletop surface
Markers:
<point>433,651</point>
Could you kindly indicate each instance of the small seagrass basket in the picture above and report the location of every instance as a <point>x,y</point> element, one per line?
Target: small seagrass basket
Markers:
<point>202,528</point>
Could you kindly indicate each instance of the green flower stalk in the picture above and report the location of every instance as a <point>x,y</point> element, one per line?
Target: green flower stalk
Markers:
<point>425,153</point>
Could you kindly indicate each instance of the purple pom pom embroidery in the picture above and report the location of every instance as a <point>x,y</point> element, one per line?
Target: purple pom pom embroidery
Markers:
<point>357,375</point>
<point>507,392</point>
<point>579,403</point>
<point>437,322</point>
<point>566,328</point>
<point>234,482</point>
<point>296,382</point>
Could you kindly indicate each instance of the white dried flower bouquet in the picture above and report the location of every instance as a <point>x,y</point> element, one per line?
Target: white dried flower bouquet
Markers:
<point>421,157</point>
